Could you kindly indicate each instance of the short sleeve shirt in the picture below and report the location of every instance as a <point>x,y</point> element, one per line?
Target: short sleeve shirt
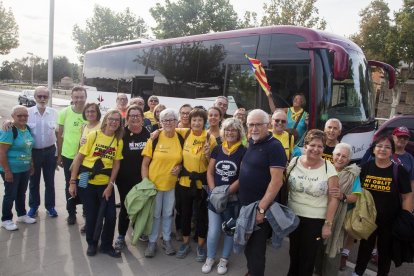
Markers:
<point>72,123</point>
<point>227,167</point>
<point>19,155</point>
<point>308,189</point>
<point>328,153</point>
<point>284,139</point>
<point>255,174</point>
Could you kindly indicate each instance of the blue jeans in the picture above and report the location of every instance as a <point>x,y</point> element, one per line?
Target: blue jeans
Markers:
<point>163,214</point>
<point>15,192</point>
<point>92,197</point>
<point>44,161</point>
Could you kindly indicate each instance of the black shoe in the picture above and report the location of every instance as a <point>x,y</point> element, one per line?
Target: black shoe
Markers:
<point>118,205</point>
<point>83,229</point>
<point>91,250</point>
<point>111,252</point>
<point>71,219</point>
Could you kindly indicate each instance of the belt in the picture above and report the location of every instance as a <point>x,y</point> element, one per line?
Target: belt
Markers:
<point>46,148</point>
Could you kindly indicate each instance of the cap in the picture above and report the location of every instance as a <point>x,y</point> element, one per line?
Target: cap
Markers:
<point>401,131</point>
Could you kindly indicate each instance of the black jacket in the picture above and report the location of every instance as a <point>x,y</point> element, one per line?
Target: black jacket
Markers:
<point>403,238</point>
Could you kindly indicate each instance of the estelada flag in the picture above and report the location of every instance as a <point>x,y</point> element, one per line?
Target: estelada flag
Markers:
<point>259,73</point>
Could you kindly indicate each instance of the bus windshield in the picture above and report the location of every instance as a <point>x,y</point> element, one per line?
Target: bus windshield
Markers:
<point>351,99</point>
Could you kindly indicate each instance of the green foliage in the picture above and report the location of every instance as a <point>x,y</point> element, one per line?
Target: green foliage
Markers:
<point>191,17</point>
<point>249,20</point>
<point>9,31</point>
<point>106,27</point>
<point>404,22</point>
<point>293,12</point>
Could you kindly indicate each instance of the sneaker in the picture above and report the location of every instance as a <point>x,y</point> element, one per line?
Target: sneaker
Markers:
<point>342,265</point>
<point>143,238</point>
<point>150,251</point>
<point>222,266</point>
<point>201,254</point>
<point>26,219</point>
<point>120,244</point>
<point>111,252</point>
<point>183,251</point>
<point>32,212</point>
<point>208,265</point>
<point>71,219</point>
<point>51,212</point>
<point>168,248</point>
<point>9,225</point>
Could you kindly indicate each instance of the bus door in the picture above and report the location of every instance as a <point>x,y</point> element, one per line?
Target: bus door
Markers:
<point>142,86</point>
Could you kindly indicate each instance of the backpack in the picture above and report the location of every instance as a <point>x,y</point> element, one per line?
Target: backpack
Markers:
<point>180,138</point>
<point>15,132</point>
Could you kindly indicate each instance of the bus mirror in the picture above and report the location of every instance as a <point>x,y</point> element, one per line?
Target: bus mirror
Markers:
<point>341,58</point>
<point>387,68</point>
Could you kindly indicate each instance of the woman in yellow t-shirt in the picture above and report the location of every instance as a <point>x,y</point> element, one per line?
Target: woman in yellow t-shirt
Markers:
<point>196,155</point>
<point>161,164</point>
<point>92,115</point>
<point>279,121</point>
<point>98,162</point>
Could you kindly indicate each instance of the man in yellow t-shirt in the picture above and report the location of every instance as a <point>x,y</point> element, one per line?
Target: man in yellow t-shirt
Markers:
<point>279,120</point>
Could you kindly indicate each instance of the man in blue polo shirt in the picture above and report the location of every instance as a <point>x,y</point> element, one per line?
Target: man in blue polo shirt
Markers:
<point>261,177</point>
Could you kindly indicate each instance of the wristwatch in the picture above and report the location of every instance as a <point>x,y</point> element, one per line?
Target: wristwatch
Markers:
<point>260,210</point>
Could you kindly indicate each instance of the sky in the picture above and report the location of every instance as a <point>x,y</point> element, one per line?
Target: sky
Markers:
<point>33,20</point>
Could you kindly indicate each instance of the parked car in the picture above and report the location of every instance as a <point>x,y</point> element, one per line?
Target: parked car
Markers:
<point>26,97</point>
<point>402,120</point>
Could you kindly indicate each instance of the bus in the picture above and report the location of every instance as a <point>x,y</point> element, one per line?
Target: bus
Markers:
<point>330,70</point>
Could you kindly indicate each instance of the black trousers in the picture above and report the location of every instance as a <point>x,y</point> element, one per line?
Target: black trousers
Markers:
<point>255,250</point>
<point>186,199</point>
<point>70,202</point>
<point>383,235</point>
<point>305,242</point>
<point>124,186</point>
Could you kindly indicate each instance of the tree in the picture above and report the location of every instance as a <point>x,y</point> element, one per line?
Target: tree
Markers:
<point>190,17</point>
<point>374,30</point>
<point>293,12</point>
<point>9,31</point>
<point>107,26</point>
<point>249,20</point>
<point>61,68</point>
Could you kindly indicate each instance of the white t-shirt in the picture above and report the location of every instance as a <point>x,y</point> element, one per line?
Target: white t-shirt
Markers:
<point>308,189</point>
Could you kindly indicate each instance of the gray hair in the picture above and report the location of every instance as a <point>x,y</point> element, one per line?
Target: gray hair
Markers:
<point>346,146</point>
<point>259,112</point>
<point>222,97</point>
<point>336,121</point>
<point>17,107</point>
<point>41,88</point>
<point>168,111</point>
<point>277,111</point>
<point>235,123</point>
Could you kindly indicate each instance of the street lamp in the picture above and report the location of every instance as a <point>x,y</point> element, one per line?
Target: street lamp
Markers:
<point>32,65</point>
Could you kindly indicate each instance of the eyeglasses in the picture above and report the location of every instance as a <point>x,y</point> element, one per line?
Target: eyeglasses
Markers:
<point>42,97</point>
<point>114,120</point>
<point>277,121</point>
<point>153,101</point>
<point>123,99</point>
<point>167,121</point>
<point>185,113</point>
<point>379,146</point>
<point>135,116</point>
<point>256,125</point>
<point>90,111</point>
<point>22,116</point>
<point>233,130</point>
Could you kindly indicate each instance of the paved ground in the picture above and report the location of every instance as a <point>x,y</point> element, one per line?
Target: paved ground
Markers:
<point>51,247</point>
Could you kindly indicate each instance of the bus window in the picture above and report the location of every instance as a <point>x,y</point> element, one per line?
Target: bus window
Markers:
<point>242,85</point>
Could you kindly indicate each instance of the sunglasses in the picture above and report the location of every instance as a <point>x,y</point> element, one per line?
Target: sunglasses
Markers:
<point>42,97</point>
<point>277,121</point>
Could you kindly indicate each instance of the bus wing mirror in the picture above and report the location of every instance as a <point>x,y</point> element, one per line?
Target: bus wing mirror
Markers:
<point>341,57</point>
<point>387,68</point>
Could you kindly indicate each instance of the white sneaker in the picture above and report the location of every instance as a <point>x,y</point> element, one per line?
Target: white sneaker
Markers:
<point>222,266</point>
<point>207,265</point>
<point>9,225</point>
<point>26,219</point>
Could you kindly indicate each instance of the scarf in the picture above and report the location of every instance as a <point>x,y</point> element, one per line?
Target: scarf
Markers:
<point>232,148</point>
<point>346,180</point>
<point>295,115</point>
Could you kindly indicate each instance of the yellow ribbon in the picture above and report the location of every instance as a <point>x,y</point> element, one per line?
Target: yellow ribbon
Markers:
<point>295,115</point>
<point>232,149</point>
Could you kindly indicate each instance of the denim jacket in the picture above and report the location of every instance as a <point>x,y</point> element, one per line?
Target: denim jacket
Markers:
<point>282,220</point>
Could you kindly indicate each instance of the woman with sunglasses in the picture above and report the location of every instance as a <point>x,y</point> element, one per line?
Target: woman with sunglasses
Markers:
<point>152,103</point>
<point>390,195</point>
<point>93,176</point>
<point>15,168</point>
<point>279,121</point>
<point>135,138</point>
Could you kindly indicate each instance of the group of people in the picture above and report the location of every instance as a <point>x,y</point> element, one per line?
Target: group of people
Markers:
<point>214,172</point>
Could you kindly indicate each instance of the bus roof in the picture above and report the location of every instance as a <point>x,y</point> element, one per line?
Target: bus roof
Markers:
<point>308,34</point>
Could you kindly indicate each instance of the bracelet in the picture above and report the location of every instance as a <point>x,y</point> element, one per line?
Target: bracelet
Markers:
<point>327,222</point>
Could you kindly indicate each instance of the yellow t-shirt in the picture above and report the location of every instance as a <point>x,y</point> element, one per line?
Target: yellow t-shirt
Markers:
<point>167,154</point>
<point>193,154</point>
<point>284,139</point>
<point>150,116</point>
<point>93,148</point>
<point>87,130</point>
